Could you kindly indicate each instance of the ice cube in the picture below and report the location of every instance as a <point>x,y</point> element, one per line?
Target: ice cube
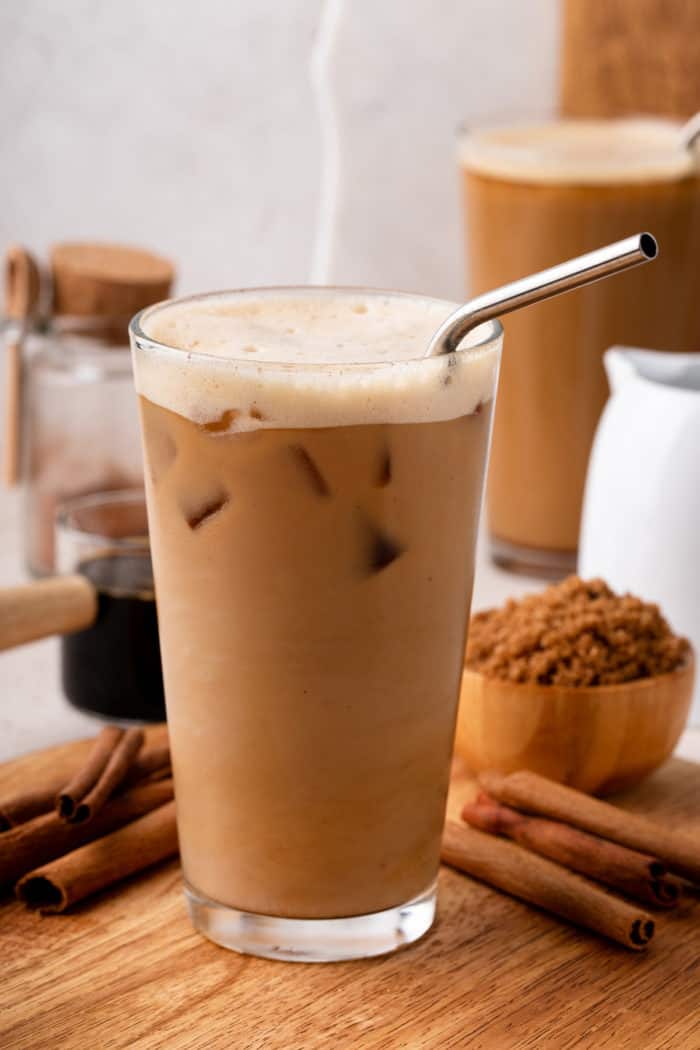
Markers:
<point>383,476</point>
<point>311,471</point>
<point>199,511</point>
<point>381,549</point>
<point>162,450</point>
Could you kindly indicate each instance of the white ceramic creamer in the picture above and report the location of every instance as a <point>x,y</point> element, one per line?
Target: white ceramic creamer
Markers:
<point>640,529</point>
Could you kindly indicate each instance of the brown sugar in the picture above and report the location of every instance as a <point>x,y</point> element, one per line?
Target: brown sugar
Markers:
<point>575,633</point>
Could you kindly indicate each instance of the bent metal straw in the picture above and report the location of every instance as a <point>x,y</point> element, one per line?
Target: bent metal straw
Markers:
<point>584,269</point>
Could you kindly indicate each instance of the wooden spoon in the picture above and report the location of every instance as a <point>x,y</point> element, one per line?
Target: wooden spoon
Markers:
<point>22,290</point>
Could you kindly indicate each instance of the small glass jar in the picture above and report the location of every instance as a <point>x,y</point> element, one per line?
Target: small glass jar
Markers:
<point>79,412</point>
<point>80,424</point>
<point>112,668</point>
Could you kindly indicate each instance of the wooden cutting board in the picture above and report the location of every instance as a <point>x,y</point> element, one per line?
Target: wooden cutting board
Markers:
<point>126,970</point>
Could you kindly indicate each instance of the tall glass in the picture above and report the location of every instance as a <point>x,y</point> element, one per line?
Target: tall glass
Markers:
<point>313,488</point>
<point>535,194</point>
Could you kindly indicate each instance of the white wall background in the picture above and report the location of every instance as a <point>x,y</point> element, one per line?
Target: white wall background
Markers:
<point>260,141</point>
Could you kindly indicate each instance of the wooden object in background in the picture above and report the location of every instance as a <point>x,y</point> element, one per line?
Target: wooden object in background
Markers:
<point>597,739</point>
<point>107,280</point>
<point>128,971</point>
<point>53,606</point>
<point>22,289</point>
<point>622,57</point>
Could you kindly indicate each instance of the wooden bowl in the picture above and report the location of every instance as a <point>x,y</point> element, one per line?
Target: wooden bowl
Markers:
<point>599,739</point>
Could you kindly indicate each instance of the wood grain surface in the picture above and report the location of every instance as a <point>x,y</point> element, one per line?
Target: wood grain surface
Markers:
<point>625,57</point>
<point>126,970</point>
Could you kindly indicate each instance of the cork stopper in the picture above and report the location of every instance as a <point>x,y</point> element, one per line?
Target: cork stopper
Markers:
<point>107,280</point>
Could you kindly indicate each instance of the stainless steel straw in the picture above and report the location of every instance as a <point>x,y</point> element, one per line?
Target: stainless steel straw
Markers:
<point>690,132</point>
<point>564,277</point>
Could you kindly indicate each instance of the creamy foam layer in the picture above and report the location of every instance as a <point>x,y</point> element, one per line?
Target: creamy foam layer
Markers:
<point>309,358</point>
<point>580,151</point>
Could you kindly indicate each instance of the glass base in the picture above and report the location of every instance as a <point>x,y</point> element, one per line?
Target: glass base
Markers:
<point>313,940</point>
<point>532,561</point>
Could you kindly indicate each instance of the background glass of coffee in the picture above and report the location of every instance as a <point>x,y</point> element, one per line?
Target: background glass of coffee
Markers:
<point>314,486</point>
<point>112,668</point>
<point>535,194</point>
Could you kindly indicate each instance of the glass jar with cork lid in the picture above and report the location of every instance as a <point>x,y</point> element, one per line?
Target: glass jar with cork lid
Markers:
<point>79,426</point>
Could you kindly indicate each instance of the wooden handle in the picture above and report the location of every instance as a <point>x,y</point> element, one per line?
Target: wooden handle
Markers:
<point>22,292</point>
<point>13,402</point>
<point>22,283</point>
<point>55,606</point>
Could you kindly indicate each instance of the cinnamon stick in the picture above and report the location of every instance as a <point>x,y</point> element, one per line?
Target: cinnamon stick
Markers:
<point>107,765</point>
<point>105,742</point>
<point>40,840</point>
<point>70,878</point>
<point>151,763</point>
<point>17,809</point>
<point>539,881</point>
<point>631,873</point>
<point>532,793</point>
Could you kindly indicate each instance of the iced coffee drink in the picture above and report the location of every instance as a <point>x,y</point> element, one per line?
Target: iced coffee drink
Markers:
<point>314,487</point>
<point>536,194</point>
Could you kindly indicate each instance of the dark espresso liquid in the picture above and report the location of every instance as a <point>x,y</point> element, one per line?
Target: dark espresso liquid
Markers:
<point>113,668</point>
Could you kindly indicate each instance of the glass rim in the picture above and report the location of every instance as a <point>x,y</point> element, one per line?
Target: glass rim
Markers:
<point>490,331</point>
<point>521,121</point>
<point>519,148</point>
<point>104,498</point>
